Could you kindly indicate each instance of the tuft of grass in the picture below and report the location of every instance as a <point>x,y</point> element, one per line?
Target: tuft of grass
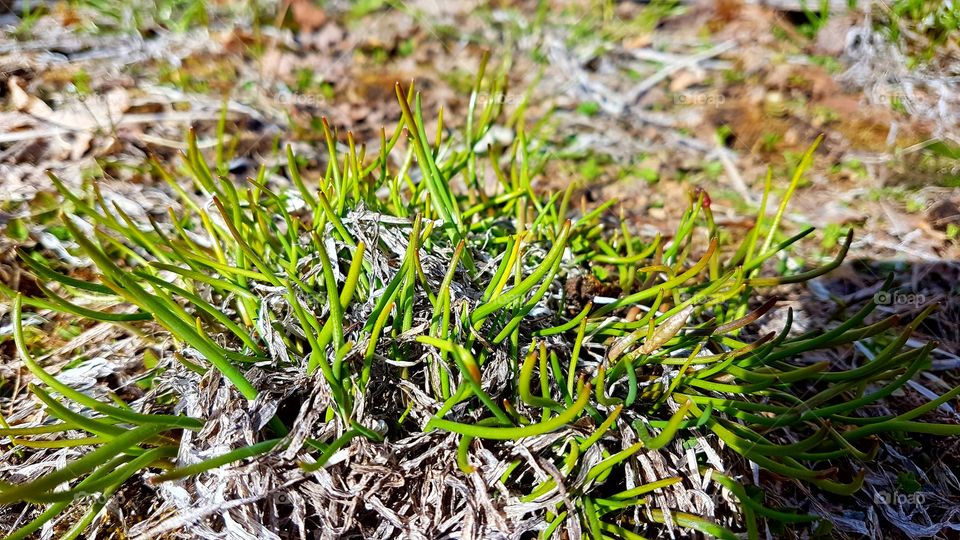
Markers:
<point>924,26</point>
<point>397,269</point>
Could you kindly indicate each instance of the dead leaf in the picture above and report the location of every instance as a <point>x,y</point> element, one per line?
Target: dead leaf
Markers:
<point>686,78</point>
<point>77,121</point>
<point>308,16</point>
<point>97,111</point>
<point>24,102</point>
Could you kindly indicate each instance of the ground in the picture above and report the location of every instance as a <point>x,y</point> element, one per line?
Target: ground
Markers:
<point>633,101</point>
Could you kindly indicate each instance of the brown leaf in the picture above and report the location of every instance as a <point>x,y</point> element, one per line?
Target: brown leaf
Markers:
<point>24,102</point>
<point>93,112</point>
<point>666,331</point>
<point>685,78</point>
<point>71,127</point>
<point>308,16</point>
